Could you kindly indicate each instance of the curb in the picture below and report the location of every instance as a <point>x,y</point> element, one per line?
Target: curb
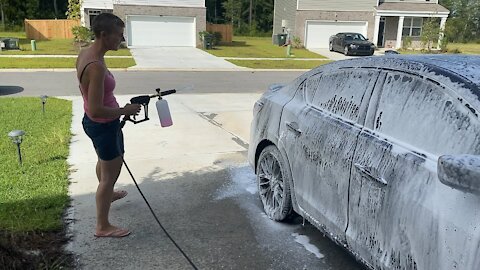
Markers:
<point>151,69</point>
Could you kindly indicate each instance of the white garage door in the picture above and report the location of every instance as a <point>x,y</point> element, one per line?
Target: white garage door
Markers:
<point>157,31</point>
<point>319,32</point>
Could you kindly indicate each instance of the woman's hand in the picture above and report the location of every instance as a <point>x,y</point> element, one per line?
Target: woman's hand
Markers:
<point>131,109</point>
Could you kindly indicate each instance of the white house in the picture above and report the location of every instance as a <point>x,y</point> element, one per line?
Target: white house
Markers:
<point>153,23</point>
<point>385,22</point>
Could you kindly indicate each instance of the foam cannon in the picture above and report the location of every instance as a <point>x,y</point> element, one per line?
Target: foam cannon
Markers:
<point>161,104</point>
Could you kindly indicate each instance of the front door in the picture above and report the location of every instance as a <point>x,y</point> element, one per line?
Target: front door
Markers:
<point>381,33</point>
<point>319,129</point>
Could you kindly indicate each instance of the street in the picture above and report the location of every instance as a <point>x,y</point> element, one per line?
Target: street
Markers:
<point>64,83</point>
<point>194,174</point>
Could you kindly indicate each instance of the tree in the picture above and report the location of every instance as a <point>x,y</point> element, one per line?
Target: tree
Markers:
<point>233,10</point>
<point>73,11</point>
<point>463,24</point>
<point>430,33</point>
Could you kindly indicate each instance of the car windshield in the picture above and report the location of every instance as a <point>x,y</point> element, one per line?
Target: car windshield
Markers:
<point>354,37</point>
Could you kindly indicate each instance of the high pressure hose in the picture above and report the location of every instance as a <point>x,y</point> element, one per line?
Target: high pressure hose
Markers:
<point>122,124</point>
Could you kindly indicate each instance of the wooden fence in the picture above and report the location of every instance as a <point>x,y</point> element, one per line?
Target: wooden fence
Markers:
<point>225,29</point>
<point>49,29</point>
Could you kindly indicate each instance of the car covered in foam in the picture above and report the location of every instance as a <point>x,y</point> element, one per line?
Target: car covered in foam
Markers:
<point>380,153</point>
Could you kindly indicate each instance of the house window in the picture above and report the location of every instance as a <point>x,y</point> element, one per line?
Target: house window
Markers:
<point>412,26</point>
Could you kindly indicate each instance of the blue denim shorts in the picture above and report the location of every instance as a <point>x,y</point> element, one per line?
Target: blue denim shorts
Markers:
<point>107,138</point>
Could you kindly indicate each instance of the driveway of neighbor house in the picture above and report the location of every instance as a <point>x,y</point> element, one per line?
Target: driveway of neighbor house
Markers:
<point>177,58</point>
<point>336,55</point>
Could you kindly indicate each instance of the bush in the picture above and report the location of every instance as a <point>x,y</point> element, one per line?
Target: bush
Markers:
<point>217,37</point>
<point>297,42</point>
<point>82,34</point>
<point>407,43</point>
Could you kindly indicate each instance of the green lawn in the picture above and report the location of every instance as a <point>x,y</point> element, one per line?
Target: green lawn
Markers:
<point>466,48</point>
<point>260,47</point>
<point>279,64</point>
<point>33,196</point>
<point>50,47</point>
<point>58,62</point>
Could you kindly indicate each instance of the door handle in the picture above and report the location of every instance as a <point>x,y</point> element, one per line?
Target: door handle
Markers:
<point>293,126</point>
<point>367,171</point>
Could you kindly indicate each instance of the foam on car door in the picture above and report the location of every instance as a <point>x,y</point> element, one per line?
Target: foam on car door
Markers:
<point>319,128</point>
<point>400,214</point>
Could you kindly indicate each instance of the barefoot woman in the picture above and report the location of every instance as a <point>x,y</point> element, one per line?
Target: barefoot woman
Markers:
<point>102,112</point>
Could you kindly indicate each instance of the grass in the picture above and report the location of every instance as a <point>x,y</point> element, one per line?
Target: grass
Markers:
<point>466,48</point>
<point>33,196</point>
<point>279,64</point>
<point>50,47</point>
<point>58,62</point>
<point>258,47</point>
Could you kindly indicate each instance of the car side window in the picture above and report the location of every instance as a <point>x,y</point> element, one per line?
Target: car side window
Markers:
<point>420,113</point>
<point>340,92</point>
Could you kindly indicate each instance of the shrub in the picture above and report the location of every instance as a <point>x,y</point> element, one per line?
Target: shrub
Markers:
<point>82,34</point>
<point>407,43</point>
<point>297,42</point>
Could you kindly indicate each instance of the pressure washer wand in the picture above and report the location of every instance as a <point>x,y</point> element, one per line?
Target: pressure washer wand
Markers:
<point>162,108</point>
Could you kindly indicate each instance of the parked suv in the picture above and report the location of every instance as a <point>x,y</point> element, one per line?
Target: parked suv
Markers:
<point>382,154</point>
<point>351,44</point>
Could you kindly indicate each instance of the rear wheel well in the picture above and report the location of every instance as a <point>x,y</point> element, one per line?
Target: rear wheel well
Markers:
<point>259,150</point>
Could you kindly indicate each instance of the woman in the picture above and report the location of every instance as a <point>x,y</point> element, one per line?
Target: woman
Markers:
<point>102,112</point>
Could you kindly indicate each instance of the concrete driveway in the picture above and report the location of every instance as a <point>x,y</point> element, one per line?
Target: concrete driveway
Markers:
<point>178,58</point>
<point>196,178</point>
<point>336,55</point>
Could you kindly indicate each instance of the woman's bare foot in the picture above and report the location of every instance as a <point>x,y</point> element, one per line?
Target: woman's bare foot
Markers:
<point>119,194</point>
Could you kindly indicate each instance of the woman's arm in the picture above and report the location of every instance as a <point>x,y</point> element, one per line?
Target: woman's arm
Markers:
<point>96,76</point>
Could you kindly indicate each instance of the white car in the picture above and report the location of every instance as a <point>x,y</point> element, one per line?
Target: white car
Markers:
<point>382,154</point>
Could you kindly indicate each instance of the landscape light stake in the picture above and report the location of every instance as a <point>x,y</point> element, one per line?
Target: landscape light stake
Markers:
<point>16,136</point>
<point>44,100</point>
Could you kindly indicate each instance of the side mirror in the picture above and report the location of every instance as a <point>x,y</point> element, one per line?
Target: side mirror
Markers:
<point>461,172</point>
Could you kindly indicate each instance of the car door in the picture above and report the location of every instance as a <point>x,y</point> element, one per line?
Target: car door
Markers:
<point>400,215</point>
<point>318,130</point>
<point>338,42</point>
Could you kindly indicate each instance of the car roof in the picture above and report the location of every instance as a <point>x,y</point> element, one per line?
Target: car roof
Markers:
<point>349,33</point>
<point>461,73</point>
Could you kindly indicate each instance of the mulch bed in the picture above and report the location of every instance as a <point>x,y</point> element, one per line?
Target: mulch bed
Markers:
<point>34,250</point>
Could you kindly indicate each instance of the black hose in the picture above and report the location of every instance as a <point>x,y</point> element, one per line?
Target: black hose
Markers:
<point>122,124</point>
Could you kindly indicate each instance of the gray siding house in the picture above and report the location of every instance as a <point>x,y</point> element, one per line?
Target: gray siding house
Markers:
<point>153,23</point>
<point>385,22</point>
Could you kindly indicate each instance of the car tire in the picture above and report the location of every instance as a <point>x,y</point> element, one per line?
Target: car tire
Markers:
<point>330,46</point>
<point>272,173</point>
<point>345,51</point>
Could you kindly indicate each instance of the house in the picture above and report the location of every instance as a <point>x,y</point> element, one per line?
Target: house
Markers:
<point>153,23</point>
<point>385,22</point>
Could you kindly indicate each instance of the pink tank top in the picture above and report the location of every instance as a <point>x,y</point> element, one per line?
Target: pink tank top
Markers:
<point>109,99</point>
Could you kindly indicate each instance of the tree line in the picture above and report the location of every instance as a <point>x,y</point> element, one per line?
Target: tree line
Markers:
<point>249,17</point>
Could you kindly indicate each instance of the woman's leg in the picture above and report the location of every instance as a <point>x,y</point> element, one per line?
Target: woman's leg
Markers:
<point>109,172</point>
<point>116,194</point>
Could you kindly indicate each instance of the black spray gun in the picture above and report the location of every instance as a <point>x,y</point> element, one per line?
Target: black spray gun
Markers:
<point>161,104</point>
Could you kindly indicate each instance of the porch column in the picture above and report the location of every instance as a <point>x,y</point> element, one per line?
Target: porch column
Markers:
<point>442,29</point>
<point>399,32</point>
<point>376,29</point>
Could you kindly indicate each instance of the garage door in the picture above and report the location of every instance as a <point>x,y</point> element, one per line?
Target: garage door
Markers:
<point>319,32</point>
<point>157,31</point>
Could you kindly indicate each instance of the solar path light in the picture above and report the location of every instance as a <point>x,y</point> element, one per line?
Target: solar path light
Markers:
<point>16,136</point>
